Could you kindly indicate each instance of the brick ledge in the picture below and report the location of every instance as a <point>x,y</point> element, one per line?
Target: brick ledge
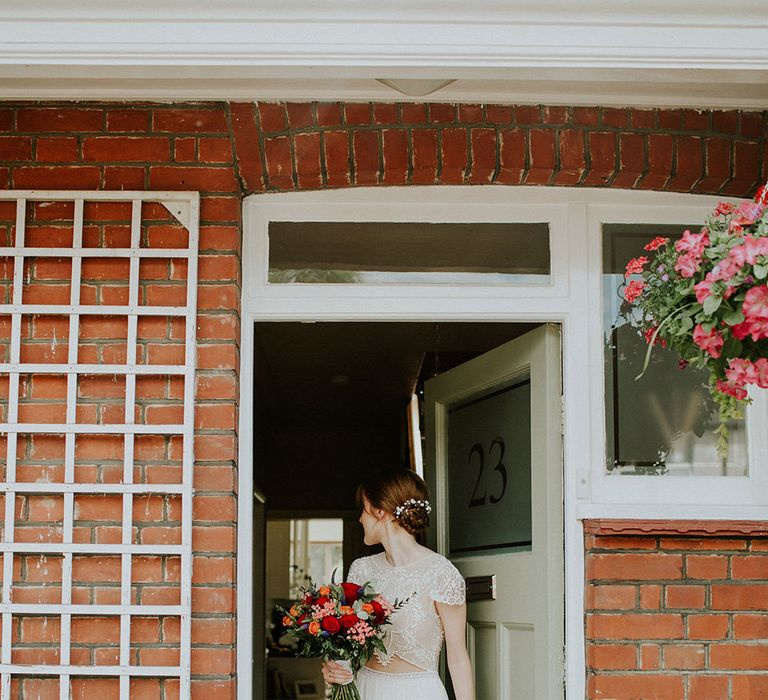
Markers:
<point>686,528</point>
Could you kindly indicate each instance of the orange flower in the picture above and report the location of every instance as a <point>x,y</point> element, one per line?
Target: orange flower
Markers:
<point>294,611</point>
<point>287,622</point>
<point>324,590</point>
<point>367,607</point>
<point>346,610</point>
<point>314,627</point>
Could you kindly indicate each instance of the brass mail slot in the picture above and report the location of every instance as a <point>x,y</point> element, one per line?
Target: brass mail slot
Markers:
<point>481,588</point>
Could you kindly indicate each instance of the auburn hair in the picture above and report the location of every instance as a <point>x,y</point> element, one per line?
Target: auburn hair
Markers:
<point>389,489</point>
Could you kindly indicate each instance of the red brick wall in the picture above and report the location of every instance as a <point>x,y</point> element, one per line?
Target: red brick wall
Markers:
<point>134,147</point>
<point>227,151</point>
<point>308,146</point>
<point>677,617</point>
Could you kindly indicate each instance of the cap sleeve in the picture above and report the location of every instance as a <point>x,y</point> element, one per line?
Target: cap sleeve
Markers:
<point>449,585</point>
<point>356,573</point>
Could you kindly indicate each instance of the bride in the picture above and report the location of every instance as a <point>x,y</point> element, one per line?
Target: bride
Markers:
<point>394,506</point>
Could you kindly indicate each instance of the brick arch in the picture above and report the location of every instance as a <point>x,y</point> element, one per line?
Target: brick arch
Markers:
<point>288,146</point>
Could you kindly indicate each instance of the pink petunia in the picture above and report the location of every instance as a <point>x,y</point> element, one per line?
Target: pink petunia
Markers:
<point>746,214</point>
<point>693,243</point>
<point>738,392</point>
<point>761,369</point>
<point>688,265</point>
<point>725,270</point>
<point>703,289</point>
<point>709,341</point>
<point>756,328</point>
<point>749,251</point>
<point>756,303</point>
<point>741,371</point>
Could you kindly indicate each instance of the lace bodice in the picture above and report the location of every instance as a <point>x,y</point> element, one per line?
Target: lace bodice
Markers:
<point>416,632</point>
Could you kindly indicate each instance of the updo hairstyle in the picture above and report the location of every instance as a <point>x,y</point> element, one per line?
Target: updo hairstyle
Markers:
<point>398,491</point>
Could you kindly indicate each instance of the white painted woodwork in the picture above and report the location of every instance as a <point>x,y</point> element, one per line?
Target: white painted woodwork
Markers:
<point>184,206</point>
<point>517,640</point>
<point>574,301</point>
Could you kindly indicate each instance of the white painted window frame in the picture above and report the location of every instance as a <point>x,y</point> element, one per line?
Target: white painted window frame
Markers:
<point>184,206</point>
<point>573,300</point>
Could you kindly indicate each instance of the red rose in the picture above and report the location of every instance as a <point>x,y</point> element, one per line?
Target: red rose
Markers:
<point>308,599</point>
<point>302,618</point>
<point>331,624</point>
<point>351,592</point>
<point>348,621</point>
<point>322,600</point>
<point>378,611</point>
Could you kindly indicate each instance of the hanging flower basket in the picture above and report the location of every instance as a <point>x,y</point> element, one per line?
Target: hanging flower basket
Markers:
<point>706,297</point>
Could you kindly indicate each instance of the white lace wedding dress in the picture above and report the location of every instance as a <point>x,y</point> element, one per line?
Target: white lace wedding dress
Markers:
<point>416,633</point>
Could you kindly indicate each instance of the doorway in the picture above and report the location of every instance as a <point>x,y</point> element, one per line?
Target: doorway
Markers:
<point>333,400</point>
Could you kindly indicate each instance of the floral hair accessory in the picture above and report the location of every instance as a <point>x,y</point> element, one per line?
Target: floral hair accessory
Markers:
<point>410,503</point>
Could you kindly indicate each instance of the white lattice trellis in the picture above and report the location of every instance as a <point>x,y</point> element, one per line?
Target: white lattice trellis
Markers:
<point>183,207</point>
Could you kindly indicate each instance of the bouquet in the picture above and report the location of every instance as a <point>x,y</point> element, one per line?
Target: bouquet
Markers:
<point>340,622</point>
<point>706,297</point>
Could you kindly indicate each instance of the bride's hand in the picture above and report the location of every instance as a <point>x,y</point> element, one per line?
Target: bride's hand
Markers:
<point>335,673</point>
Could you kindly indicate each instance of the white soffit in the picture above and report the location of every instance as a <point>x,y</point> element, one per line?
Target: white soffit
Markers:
<point>650,52</point>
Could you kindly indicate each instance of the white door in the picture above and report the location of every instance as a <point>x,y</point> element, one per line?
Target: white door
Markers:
<point>494,469</point>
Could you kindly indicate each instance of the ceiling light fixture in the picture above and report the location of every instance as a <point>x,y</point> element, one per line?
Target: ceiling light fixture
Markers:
<point>416,87</point>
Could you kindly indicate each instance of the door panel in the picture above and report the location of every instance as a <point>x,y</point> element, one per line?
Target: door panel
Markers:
<point>494,469</point>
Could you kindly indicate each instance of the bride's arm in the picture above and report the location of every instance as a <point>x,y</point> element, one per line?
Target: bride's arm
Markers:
<point>454,619</point>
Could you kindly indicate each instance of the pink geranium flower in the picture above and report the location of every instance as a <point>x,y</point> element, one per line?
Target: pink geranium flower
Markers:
<point>710,342</point>
<point>656,243</point>
<point>633,290</point>
<point>635,266</point>
<point>724,208</point>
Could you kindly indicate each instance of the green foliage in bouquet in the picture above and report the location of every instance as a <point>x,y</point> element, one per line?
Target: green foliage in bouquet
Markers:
<point>340,622</point>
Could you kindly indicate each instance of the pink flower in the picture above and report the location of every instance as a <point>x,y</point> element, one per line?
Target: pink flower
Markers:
<point>741,372</point>
<point>688,265</point>
<point>693,243</point>
<point>656,243</point>
<point>731,389</point>
<point>749,251</point>
<point>761,369</point>
<point>724,208</point>
<point>635,266</point>
<point>633,290</point>
<point>709,341</point>
<point>648,335</point>
<point>746,214</point>
<point>756,303</point>
<point>703,289</point>
<point>725,270</point>
<point>755,327</point>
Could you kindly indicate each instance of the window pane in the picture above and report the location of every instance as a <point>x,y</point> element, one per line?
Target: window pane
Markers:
<point>663,422</point>
<point>408,253</point>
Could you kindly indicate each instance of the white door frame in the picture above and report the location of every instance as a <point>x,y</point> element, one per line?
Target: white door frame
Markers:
<point>569,300</point>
